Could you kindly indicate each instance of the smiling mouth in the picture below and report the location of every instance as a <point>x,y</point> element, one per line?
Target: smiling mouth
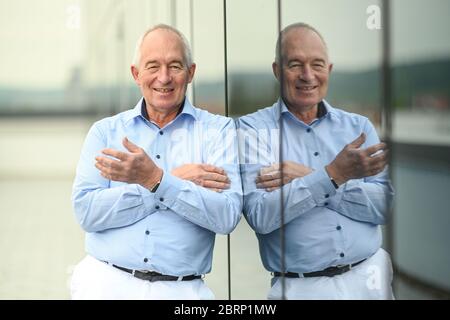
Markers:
<point>306,88</point>
<point>163,90</point>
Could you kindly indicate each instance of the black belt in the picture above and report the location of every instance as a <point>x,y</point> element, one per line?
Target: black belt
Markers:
<point>328,272</point>
<point>153,276</point>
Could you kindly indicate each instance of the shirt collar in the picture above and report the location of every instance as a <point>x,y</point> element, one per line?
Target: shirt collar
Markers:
<point>140,110</point>
<point>325,109</point>
<point>188,109</point>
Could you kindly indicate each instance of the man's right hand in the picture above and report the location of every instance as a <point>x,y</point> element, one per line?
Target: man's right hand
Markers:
<point>355,163</point>
<point>205,175</point>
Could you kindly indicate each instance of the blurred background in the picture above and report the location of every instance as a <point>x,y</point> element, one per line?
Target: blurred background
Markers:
<point>65,63</point>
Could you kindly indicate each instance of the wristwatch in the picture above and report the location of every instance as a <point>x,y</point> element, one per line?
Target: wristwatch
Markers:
<point>155,187</point>
<point>334,183</point>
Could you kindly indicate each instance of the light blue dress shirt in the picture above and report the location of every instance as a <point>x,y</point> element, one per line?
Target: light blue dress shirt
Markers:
<point>171,231</point>
<point>324,226</point>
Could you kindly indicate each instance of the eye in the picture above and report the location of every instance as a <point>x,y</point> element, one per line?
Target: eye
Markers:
<point>151,67</point>
<point>175,67</point>
<point>318,65</point>
<point>294,65</point>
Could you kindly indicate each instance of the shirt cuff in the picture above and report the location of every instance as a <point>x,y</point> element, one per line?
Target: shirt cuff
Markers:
<point>320,186</point>
<point>168,190</point>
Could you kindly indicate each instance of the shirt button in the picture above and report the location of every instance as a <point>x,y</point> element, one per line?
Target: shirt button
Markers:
<point>145,259</point>
<point>342,255</point>
<point>316,153</point>
<point>308,130</point>
<point>338,228</point>
<point>161,133</point>
<point>161,199</point>
<point>147,232</point>
<point>326,203</point>
<point>158,156</point>
<point>157,207</point>
<point>327,195</point>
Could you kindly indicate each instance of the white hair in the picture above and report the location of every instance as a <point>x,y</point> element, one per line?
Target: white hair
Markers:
<point>298,25</point>
<point>186,48</point>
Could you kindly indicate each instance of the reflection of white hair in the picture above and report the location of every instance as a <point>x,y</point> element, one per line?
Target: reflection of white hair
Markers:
<point>298,25</point>
<point>186,48</point>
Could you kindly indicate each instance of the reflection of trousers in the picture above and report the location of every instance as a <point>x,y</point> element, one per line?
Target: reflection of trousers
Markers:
<point>93,279</point>
<point>370,280</point>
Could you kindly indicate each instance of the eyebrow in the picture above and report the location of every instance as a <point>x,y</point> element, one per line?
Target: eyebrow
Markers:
<point>314,60</point>
<point>156,62</point>
<point>176,61</point>
<point>320,60</point>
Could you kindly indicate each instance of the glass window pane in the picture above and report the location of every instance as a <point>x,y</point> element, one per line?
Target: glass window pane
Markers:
<point>251,35</point>
<point>421,135</point>
<point>325,226</point>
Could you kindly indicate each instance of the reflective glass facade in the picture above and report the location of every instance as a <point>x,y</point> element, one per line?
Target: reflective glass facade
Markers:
<point>66,64</point>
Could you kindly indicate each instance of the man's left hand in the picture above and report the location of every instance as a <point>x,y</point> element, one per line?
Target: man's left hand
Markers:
<point>134,167</point>
<point>205,175</point>
<point>271,178</point>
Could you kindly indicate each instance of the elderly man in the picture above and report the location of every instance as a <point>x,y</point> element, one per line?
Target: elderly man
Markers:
<point>154,184</point>
<point>331,181</point>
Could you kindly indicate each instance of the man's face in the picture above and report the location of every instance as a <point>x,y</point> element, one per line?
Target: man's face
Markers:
<point>305,69</point>
<point>163,74</point>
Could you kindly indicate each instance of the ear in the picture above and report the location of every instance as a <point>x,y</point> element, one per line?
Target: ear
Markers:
<point>191,71</point>
<point>135,73</point>
<point>276,70</point>
<point>330,67</point>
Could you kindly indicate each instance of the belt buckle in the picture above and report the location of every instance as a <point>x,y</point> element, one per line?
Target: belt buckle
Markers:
<point>147,275</point>
<point>342,268</point>
<point>140,271</point>
<point>144,274</point>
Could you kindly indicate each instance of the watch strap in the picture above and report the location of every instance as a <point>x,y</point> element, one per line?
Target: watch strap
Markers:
<point>334,183</point>
<point>155,187</point>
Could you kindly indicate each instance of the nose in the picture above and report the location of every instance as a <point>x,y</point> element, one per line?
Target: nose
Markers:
<point>307,73</point>
<point>164,75</point>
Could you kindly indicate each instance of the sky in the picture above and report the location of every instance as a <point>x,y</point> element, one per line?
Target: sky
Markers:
<point>41,41</point>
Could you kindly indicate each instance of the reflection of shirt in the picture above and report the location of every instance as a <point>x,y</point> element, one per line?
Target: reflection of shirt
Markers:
<point>323,226</point>
<point>171,231</point>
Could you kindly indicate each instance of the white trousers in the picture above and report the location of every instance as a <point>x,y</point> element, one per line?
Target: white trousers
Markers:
<point>370,280</point>
<point>94,280</point>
